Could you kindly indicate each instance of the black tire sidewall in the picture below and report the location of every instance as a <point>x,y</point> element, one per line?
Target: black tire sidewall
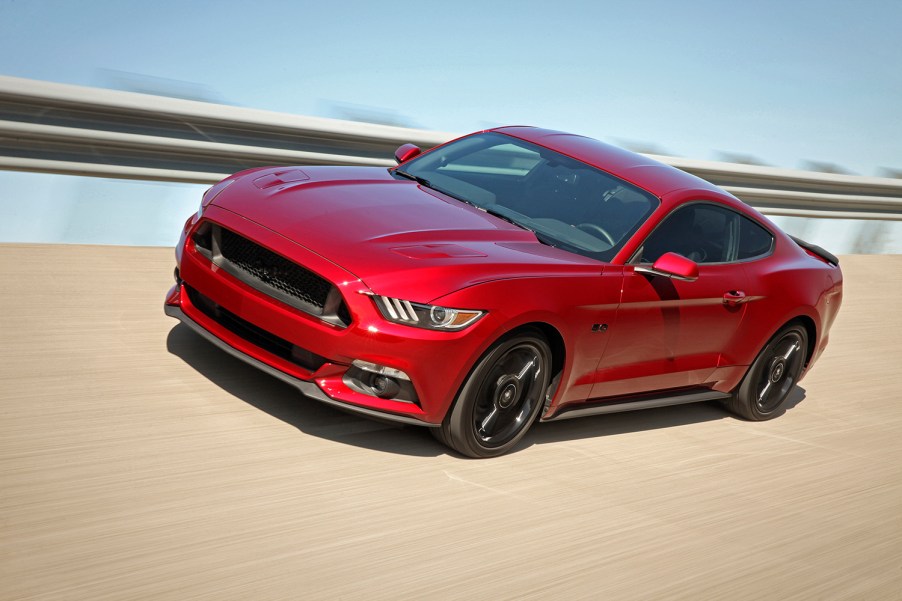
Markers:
<point>458,428</point>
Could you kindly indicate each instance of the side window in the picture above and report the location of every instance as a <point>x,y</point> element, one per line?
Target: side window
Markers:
<point>707,233</point>
<point>754,240</point>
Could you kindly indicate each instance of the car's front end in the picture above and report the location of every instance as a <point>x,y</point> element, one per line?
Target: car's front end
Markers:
<point>341,281</point>
<point>318,325</point>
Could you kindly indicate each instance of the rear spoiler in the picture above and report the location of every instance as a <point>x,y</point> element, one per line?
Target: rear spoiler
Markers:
<point>814,248</point>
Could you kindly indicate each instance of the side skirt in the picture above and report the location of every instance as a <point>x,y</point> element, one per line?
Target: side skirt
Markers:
<point>617,406</point>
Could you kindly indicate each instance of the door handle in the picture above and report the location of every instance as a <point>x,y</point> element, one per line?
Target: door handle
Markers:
<point>734,297</point>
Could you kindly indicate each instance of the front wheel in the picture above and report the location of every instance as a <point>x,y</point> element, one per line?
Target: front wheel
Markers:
<point>500,399</point>
<point>772,376</point>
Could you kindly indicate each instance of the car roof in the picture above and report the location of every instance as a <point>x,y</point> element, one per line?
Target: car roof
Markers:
<point>649,174</point>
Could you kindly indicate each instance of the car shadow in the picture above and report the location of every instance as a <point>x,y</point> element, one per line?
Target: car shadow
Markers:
<point>286,403</point>
<point>638,421</point>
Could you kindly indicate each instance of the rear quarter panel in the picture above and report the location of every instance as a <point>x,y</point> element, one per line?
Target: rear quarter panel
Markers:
<point>788,285</point>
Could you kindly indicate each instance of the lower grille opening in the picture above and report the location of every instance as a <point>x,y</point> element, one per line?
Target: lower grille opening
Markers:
<point>257,336</point>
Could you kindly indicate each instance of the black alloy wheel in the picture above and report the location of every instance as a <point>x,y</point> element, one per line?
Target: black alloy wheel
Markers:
<point>500,399</point>
<point>773,375</point>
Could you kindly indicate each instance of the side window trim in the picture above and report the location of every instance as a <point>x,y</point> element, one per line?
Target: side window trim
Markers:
<point>636,258</point>
<point>733,248</point>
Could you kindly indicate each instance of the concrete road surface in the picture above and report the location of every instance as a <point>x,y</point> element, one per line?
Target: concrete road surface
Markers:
<point>139,462</point>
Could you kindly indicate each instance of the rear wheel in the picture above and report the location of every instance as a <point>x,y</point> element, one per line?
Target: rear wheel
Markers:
<point>500,399</point>
<point>772,376</point>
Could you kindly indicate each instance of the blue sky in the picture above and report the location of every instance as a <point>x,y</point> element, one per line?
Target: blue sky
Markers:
<point>781,81</point>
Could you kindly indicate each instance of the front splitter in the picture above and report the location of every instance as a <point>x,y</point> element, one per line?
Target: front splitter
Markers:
<point>308,389</point>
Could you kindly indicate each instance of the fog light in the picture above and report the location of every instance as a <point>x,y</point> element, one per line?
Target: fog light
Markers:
<point>385,387</point>
<point>380,381</point>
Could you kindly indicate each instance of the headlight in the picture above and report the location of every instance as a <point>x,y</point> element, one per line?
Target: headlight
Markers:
<point>430,317</point>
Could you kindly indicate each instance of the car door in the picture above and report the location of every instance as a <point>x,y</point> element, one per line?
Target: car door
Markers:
<point>670,333</point>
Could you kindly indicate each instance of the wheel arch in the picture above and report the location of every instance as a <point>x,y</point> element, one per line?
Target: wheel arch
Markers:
<point>810,329</point>
<point>451,432</point>
<point>554,338</point>
<point>803,320</point>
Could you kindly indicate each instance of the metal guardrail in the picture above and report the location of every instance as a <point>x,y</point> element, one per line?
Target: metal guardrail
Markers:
<point>59,128</point>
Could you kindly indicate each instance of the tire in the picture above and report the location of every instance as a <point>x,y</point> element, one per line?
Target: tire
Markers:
<point>772,376</point>
<point>500,398</point>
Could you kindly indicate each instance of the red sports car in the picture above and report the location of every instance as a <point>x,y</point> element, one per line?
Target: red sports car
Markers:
<point>510,275</point>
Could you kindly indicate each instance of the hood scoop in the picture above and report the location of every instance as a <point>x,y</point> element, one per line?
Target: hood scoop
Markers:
<point>288,176</point>
<point>437,251</point>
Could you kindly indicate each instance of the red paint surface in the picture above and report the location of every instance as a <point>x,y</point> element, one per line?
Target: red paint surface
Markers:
<point>369,233</point>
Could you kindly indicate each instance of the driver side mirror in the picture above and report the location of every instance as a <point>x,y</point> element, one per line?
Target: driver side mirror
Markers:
<point>406,152</point>
<point>672,265</point>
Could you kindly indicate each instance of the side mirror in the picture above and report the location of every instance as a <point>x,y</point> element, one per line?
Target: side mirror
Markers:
<point>672,265</point>
<point>406,152</point>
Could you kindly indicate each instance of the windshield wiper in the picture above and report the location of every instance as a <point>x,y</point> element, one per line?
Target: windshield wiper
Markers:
<point>425,182</point>
<point>420,180</point>
<point>505,217</point>
<point>543,239</point>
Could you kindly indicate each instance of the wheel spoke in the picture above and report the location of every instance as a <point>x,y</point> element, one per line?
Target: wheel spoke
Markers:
<point>763,393</point>
<point>791,350</point>
<point>525,369</point>
<point>488,422</point>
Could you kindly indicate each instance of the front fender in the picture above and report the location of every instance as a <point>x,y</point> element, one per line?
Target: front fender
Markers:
<point>574,306</point>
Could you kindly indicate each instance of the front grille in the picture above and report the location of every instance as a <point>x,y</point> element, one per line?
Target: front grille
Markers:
<point>275,270</point>
<point>254,334</point>
<point>272,273</point>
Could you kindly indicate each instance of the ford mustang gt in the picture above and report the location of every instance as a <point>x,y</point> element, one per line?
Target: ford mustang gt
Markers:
<point>508,276</point>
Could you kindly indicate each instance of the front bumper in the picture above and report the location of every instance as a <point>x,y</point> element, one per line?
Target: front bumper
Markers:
<point>308,389</point>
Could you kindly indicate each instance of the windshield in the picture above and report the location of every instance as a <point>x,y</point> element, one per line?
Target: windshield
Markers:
<point>567,203</point>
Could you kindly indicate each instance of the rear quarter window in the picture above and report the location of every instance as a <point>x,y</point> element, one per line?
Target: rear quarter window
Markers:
<point>754,240</point>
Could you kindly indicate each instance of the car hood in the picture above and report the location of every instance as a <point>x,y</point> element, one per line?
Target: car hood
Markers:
<point>398,237</point>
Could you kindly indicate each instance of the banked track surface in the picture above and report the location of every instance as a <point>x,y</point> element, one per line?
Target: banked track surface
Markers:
<point>139,462</point>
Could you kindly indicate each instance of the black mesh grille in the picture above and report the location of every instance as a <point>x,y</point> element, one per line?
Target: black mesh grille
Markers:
<point>271,273</point>
<point>275,270</point>
<point>254,334</point>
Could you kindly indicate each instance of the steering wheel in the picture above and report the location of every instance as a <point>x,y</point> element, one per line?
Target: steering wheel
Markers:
<point>591,228</point>
<point>698,255</point>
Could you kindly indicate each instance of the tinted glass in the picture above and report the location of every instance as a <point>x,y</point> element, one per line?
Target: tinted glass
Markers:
<point>754,240</point>
<point>567,203</point>
<point>707,233</point>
